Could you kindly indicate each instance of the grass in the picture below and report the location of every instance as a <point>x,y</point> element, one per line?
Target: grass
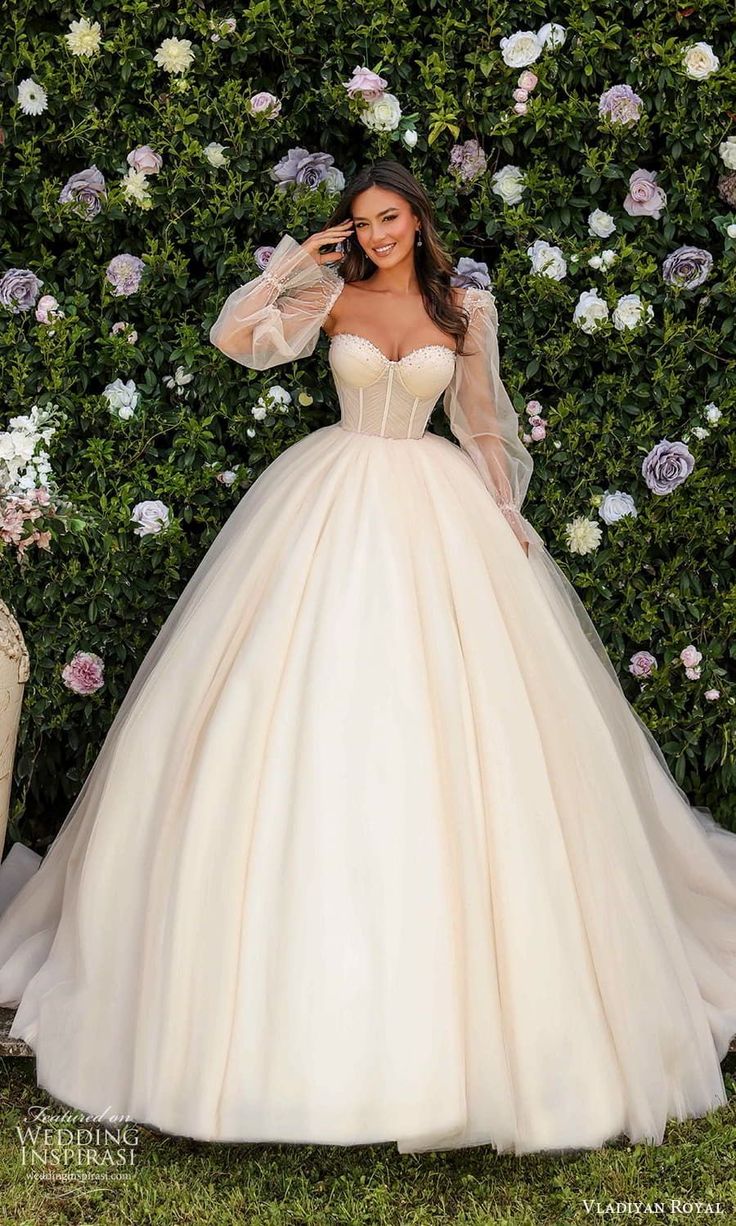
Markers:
<point>189,1183</point>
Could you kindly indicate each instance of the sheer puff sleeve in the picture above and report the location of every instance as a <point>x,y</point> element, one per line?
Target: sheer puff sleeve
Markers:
<point>276,317</point>
<point>482,417</point>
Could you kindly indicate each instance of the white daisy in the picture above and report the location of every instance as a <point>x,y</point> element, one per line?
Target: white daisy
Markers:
<point>32,97</point>
<point>83,37</point>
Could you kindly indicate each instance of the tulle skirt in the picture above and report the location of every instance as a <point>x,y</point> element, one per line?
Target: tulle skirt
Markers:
<point>376,849</point>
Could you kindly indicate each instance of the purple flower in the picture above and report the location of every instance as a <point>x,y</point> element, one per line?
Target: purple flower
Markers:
<point>471,272</point>
<point>666,466</point>
<point>19,289</point>
<point>86,187</point>
<point>687,266</point>
<point>299,167</point>
<point>124,273</point>
<point>262,255</point>
<point>642,664</point>
<point>468,160</point>
<point>621,104</point>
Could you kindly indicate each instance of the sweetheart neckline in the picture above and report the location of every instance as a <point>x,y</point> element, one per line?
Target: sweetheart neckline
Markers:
<point>391,361</point>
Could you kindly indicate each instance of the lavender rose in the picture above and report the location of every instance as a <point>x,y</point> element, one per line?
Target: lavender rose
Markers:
<point>86,187</point>
<point>124,273</point>
<point>468,160</point>
<point>469,272</point>
<point>301,168</point>
<point>687,266</point>
<point>666,466</point>
<point>19,289</point>
<point>620,104</point>
<point>262,255</point>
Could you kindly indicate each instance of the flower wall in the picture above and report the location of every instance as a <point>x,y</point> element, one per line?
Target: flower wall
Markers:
<point>582,161</point>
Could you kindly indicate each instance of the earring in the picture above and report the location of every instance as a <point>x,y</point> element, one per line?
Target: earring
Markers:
<point>419,238</point>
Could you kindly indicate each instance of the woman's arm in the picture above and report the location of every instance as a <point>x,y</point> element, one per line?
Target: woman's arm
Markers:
<point>481,414</point>
<point>276,317</point>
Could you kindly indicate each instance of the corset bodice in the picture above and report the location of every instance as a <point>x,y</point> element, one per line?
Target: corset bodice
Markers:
<point>393,399</point>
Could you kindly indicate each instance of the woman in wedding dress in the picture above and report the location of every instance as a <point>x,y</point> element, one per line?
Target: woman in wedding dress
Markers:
<point>375,848</point>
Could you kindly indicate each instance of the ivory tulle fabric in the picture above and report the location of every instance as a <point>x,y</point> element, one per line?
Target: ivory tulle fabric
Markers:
<point>375,848</point>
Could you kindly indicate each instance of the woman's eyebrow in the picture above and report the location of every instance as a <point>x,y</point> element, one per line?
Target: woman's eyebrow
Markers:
<point>388,210</point>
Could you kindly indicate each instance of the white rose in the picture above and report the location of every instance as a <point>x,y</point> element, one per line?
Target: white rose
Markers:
<point>551,35</point>
<point>700,61</point>
<point>615,506</point>
<point>700,432</point>
<point>521,48</point>
<point>382,114</point>
<point>629,311</point>
<point>122,398</point>
<point>150,516</point>
<point>601,224</point>
<point>278,395</point>
<point>547,260</point>
<point>608,256</point>
<point>712,413</point>
<point>215,154</point>
<point>509,184</point>
<point>727,150</point>
<point>590,310</point>
<point>410,137</point>
<point>259,410</point>
<point>596,262</point>
<point>334,180</point>
<point>731,230</point>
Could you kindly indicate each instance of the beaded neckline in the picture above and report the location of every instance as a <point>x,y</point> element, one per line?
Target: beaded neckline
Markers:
<point>391,361</point>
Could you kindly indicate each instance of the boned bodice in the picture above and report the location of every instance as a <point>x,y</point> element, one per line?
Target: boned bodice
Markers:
<point>393,399</point>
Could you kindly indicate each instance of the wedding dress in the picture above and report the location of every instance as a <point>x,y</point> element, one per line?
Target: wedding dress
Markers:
<point>375,848</point>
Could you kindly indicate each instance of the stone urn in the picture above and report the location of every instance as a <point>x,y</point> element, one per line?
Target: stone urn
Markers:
<point>21,861</point>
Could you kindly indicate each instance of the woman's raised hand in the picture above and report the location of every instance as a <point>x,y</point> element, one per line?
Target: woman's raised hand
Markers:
<point>333,234</point>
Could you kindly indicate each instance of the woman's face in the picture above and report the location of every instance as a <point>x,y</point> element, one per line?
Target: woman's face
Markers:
<point>384,219</point>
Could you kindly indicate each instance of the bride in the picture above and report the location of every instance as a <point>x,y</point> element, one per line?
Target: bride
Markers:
<point>376,849</point>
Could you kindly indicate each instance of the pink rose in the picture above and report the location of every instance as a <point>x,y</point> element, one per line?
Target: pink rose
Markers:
<point>538,432</point>
<point>712,695</point>
<point>690,655</point>
<point>84,674</point>
<point>645,198</point>
<point>264,103</point>
<point>520,95</point>
<point>527,80</point>
<point>520,108</point>
<point>366,83</point>
<point>642,664</point>
<point>533,407</point>
<point>144,160</point>
<point>47,308</point>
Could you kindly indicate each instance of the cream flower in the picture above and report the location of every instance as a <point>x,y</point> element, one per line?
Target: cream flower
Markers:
<point>521,48</point>
<point>174,55</point>
<point>135,188</point>
<point>215,154</point>
<point>727,150</point>
<point>83,37</point>
<point>509,184</point>
<point>630,311</point>
<point>700,61</point>
<point>601,224</point>
<point>590,311</point>
<point>583,535</point>
<point>32,97</point>
<point>382,114</point>
<point>547,260</point>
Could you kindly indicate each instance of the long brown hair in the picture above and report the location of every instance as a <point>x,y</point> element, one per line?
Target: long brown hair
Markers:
<point>434,266</point>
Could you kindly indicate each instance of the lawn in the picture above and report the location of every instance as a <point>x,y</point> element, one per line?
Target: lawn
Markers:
<point>175,1181</point>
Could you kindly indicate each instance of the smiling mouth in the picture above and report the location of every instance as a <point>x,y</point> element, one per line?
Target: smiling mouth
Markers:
<point>384,250</point>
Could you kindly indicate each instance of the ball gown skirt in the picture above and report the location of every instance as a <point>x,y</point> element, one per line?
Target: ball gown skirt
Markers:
<point>375,848</point>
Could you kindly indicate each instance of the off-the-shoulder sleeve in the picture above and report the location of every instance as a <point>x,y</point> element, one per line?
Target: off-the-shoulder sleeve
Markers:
<point>481,415</point>
<point>277,316</point>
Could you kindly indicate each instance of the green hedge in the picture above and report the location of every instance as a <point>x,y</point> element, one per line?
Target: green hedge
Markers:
<point>658,581</point>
